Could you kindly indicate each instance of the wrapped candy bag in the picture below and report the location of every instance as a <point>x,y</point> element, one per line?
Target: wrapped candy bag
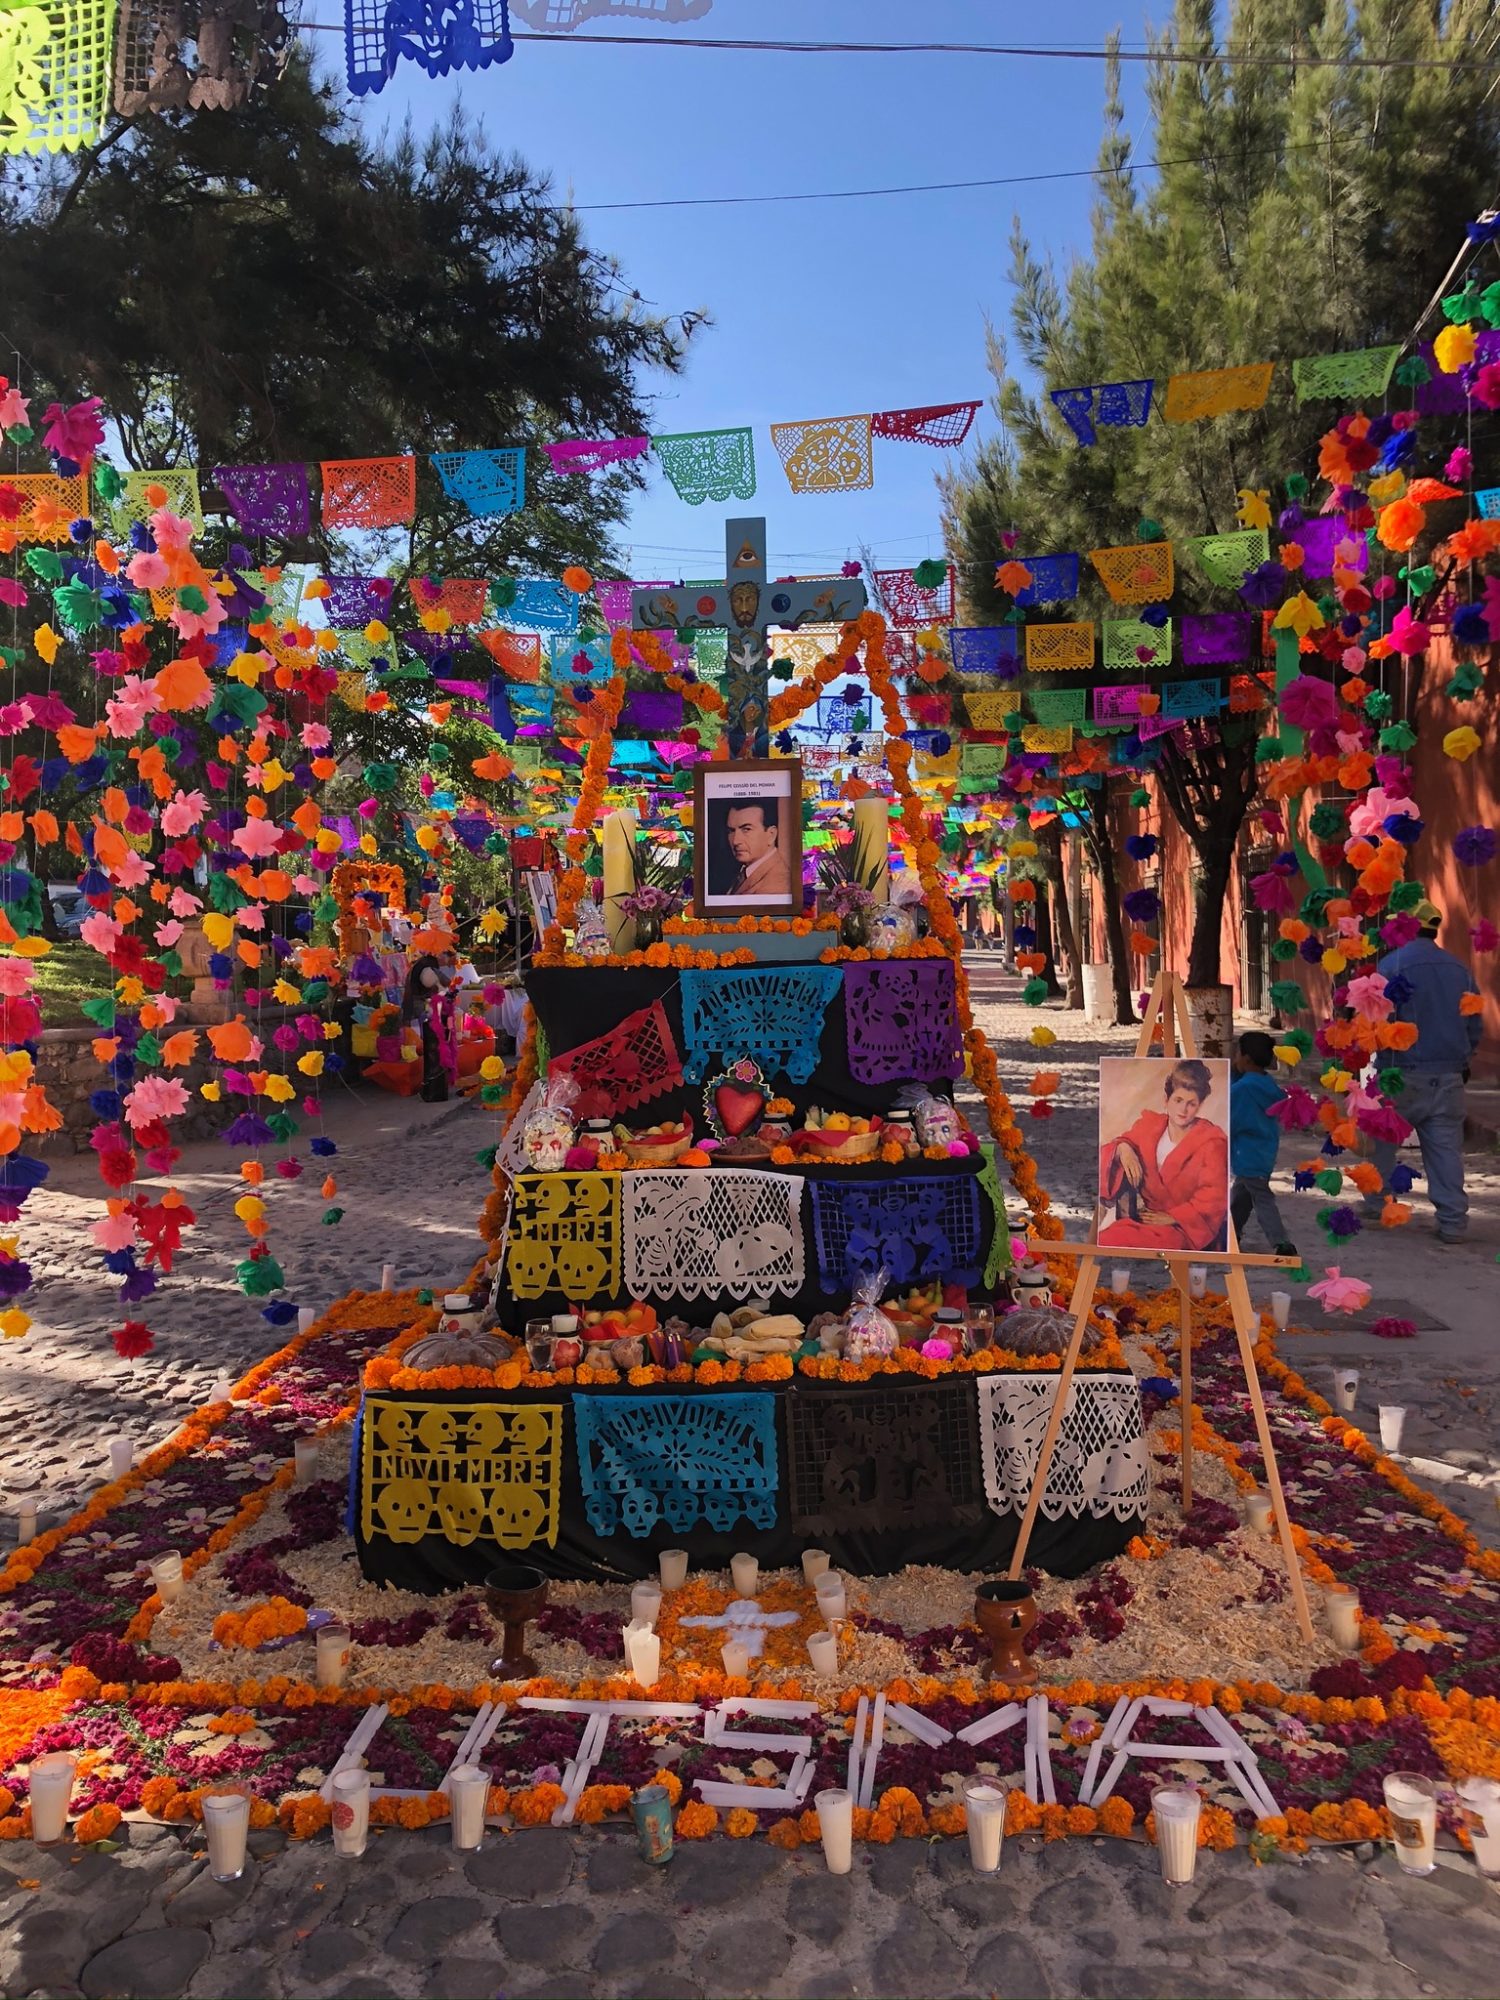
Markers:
<point>871,1336</point>
<point>937,1122</point>
<point>547,1137</point>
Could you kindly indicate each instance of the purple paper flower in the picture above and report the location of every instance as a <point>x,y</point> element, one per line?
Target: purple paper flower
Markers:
<point>1474,846</point>
<point>1141,905</point>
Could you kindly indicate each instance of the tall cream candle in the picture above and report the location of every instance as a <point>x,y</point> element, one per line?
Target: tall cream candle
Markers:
<point>836,1825</point>
<point>619,877</point>
<point>871,821</point>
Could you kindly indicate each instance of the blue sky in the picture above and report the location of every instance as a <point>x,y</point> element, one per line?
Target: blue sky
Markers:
<point>819,308</point>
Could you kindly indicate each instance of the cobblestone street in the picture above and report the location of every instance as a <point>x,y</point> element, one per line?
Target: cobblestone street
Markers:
<point>558,1915</point>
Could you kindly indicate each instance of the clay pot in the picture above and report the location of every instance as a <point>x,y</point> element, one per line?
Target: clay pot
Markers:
<point>516,1593</point>
<point>1005,1612</point>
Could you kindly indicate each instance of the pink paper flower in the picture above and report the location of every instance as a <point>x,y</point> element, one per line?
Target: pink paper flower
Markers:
<point>1307,704</point>
<point>1483,936</point>
<point>1273,893</point>
<point>100,933</point>
<point>15,409</point>
<point>1336,1293</point>
<point>147,571</point>
<point>1296,1111</point>
<point>257,838</point>
<point>1367,819</point>
<point>169,530</point>
<point>155,1097</point>
<point>16,976</point>
<point>183,903</point>
<point>75,433</point>
<point>1409,635</point>
<point>1366,996</point>
<point>183,813</point>
<point>316,736</point>
<point>114,1232</point>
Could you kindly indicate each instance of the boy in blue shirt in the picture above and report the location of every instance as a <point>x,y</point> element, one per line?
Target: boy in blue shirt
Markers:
<point>1254,1139</point>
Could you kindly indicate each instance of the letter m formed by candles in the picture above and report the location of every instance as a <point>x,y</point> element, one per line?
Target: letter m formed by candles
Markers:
<point>745,605</point>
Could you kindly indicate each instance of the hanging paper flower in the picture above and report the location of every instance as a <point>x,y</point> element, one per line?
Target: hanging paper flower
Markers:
<point>1263,585</point>
<point>1297,1110</point>
<point>1306,703</point>
<point>1474,846</point>
<point>1454,348</point>
<point>75,433</point>
<point>1368,997</point>
<point>1391,1328</point>
<point>1409,636</point>
<point>1483,936</point>
<point>1141,846</point>
<point>1012,578</point>
<point>1461,743</point>
<point>133,1339</point>
<point>1142,905</point>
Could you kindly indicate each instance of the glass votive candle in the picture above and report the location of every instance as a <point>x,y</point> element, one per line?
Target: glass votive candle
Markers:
<point>1258,1513</point>
<point>832,1599</point>
<point>1479,1801</point>
<point>351,1812</point>
<point>334,1644</point>
<point>1345,1389</point>
<point>736,1659</point>
<point>51,1787</point>
<point>121,1456</point>
<point>1119,1278</point>
<point>226,1824</point>
<point>836,1825</point>
<point>673,1565</point>
<point>746,1573</point>
<point>984,1811</point>
<point>1392,1423</point>
<point>645,1658</point>
<point>1197,1280</point>
<point>306,1318</point>
<point>1281,1309</point>
<point>1177,1809</point>
<point>388,1277</point>
<point>814,1564</point>
<point>25,1519</point>
<point>166,1576</point>
<point>468,1795</point>
<point>1411,1801</point>
<point>823,1651</point>
<point>645,1603</point>
<point>1343,1617</point>
<point>220,1392</point>
<point>305,1460</point>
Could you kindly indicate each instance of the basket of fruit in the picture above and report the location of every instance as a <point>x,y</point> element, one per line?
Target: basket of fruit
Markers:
<point>658,1145</point>
<point>839,1135</point>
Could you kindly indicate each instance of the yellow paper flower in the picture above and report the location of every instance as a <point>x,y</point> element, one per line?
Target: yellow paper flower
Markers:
<point>32,947</point>
<point>376,633</point>
<point>1461,743</point>
<point>15,1324</point>
<point>46,642</point>
<point>1300,615</point>
<point>211,1092</point>
<point>1042,1038</point>
<point>279,1088</point>
<point>1288,1053</point>
<point>1334,962</point>
<point>1454,348</point>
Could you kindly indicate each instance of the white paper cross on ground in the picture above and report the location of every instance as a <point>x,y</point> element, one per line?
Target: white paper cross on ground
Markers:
<point>1227,1747</point>
<point>745,1622</point>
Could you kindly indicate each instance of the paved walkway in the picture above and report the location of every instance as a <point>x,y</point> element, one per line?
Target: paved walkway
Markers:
<point>560,1916</point>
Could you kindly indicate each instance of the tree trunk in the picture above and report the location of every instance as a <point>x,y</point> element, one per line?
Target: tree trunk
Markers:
<point>1042,910</point>
<point>1217,858</point>
<point>1099,838</point>
<point>1050,843</point>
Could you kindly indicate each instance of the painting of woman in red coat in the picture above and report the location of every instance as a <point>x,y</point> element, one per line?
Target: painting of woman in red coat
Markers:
<point>1163,1173</point>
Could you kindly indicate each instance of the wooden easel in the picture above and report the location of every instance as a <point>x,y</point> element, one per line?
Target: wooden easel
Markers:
<point>1168,1007</point>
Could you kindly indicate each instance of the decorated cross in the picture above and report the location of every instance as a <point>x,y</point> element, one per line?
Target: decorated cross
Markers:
<point>747,606</point>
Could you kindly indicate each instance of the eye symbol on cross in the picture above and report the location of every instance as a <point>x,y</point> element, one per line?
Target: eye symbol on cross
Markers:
<point>744,1621</point>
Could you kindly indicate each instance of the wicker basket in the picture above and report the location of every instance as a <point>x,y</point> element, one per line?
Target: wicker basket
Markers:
<point>658,1152</point>
<point>819,1144</point>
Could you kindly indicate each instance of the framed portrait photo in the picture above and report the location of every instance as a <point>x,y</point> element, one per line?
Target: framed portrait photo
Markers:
<point>1164,1174</point>
<point>747,838</point>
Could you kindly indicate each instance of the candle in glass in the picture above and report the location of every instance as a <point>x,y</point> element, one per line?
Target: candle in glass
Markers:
<point>673,1564</point>
<point>736,1659</point>
<point>220,1392</point>
<point>51,1786</point>
<point>1258,1513</point>
<point>121,1456</point>
<point>1346,1388</point>
<point>746,1573</point>
<point>306,1317</point>
<point>25,1519</point>
<point>1411,1801</point>
<point>351,1812</point>
<point>1343,1617</point>
<point>388,1277</point>
<point>823,1651</point>
<point>468,1795</point>
<point>333,1645</point>
<point>814,1564</point>
<point>166,1575</point>
<point>1119,1278</point>
<point>1177,1809</point>
<point>1281,1308</point>
<point>226,1822</point>
<point>645,1603</point>
<point>832,1601</point>
<point>1479,1799</point>
<point>984,1812</point>
<point>1198,1280</point>
<point>836,1825</point>
<point>1392,1423</point>
<point>305,1460</point>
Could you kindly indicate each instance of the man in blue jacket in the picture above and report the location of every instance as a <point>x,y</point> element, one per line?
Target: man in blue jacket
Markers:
<point>1427,984</point>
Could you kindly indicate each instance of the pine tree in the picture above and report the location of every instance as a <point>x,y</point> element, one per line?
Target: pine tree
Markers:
<point>1298,210</point>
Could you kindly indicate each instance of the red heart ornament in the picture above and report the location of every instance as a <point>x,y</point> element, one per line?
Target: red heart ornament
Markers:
<point>738,1106</point>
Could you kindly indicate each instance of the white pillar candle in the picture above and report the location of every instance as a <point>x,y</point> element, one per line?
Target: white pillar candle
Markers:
<point>645,1658</point>
<point>814,1564</point>
<point>984,1812</point>
<point>1119,1278</point>
<point>1346,1388</point>
<point>51,1786</point>
<point>121,1456</point>
<point>226,1822</point>
<point>836,1824</point>
<point>351,1812</point>
<point>468,1795</point>
<point>823,1651</point>
<point>1480,1800</point>
<point>627,1638</point>
<point>166,1575</point>
<point>1177,1808</point>
<point>219,1393</point>
<point>1258,1513</point>
<point>305,1460</point>
<point>673,1564</point>
<point>1411,1802</point>
<point>25,1519</point>
<point>736,1659</point>
<point>1281,1308</point>
<point>333,1655</point>
<point>1197,1280</point>
<point>832,1602</point>
<point>746,1573</point>
<point>1343,1617</point>
<point>1392,1421</point>
<point>645,1604</point>
<point>388,1277</point>
<point>306,1315</point>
